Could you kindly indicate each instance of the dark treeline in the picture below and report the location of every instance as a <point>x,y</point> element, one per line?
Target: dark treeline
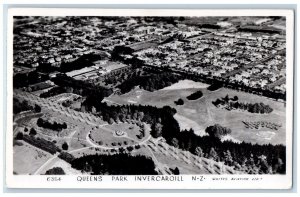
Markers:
<point>255,29</point>
<point>251,158</point>
<point>151,82</point>
<point>120,77</point>
<point>41,143</point>
<point>25,79</point>
<point>195,95</point>
<point>84,61</point>
<point>19,106</point>
<point>53,92</point>
<point>118,164</point>
<point>232,103</point>
<point>66,156</point>
<point>82,88</point>
<point>53,126</point>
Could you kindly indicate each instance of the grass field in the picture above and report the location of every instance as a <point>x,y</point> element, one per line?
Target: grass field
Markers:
<point>27,159</point>
<point>201,113</point>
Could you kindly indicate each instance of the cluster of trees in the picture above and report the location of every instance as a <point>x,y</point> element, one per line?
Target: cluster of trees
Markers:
<point>25,79</point>
<point>215,86</point>
<point>53,126</point>
<point>65,146</point>
<point>55,171</point>
<point>81,87</point>
<point>84,61</point>
<point>247,157</point>
<point>142,131</point>
<point>160,119</point>
<point>150,82</point>
<point>232,103</point>
<point>66,156</point>
<point>175,171</point>
<point>217,131</point>
<point>19,106</point>
<point>53,92</point>
<point>179,102</point>
<point>41,143</point>
<point>24,106</point>
<point>20,135</point>
<point>120,77</point>
<point>117,164</point>
<point>195,95</point>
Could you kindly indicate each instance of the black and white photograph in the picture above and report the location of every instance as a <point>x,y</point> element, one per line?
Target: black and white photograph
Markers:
<point>164,96</point>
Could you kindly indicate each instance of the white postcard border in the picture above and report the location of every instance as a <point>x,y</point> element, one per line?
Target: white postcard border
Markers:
<point>71,181</point>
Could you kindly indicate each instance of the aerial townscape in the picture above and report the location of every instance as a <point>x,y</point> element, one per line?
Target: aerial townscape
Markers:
<point>149,95</point>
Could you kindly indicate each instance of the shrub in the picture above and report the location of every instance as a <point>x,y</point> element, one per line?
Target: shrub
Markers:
<point>55,171</point>
<point>19,136</point>
<point>65,146</point>
<point>217,131</point>
<point>32,132</point>
<point>179,102</point>
<point>195,95</point>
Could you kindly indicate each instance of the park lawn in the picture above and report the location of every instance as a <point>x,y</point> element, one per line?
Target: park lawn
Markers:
<point>27,159</point>
<point>132,130</point>
<point>106,135</point>
<point>201,113</point>
<point>207,114</point>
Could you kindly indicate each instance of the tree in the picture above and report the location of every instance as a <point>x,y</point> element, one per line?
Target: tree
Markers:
<point>156,130</point>
<point>179,102</point>
<point>25,129</point>
<point>175,142</point>
<point>217,131</point>
<point>32,132</point>
<point>37,108</point>
<point>55,171</point>
<point>130,148</point>
<point>176,171</point>
<point>110,121</point>
<point>235,98</point>
<point>228,158</point>
<point>199,152</point>
<point>226,98</point>
<point>213,154</point>
<point>65,146</point>
<point>40,122</point>
<point>64,125</point>
<point>19,136</point>
<point>264,167</point>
